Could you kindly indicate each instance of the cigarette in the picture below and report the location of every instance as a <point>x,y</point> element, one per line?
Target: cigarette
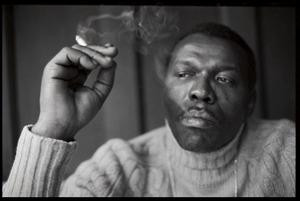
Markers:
<point>80,41</point>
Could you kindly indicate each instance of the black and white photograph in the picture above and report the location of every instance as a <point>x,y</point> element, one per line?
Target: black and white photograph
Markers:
<point>148,100</point>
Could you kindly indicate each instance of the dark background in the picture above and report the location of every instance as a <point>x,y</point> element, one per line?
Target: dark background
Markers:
<point>33,34</point>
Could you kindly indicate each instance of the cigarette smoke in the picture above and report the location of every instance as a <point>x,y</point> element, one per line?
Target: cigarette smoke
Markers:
<point>145,24</point>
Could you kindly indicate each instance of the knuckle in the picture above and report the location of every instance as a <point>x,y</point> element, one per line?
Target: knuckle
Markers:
<point>51,71</point>
<point>85,58</point>
<point>94,55</point>
<point>76,46</point>
<point>65,49</point>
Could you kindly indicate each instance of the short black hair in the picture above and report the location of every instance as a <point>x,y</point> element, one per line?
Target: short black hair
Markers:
<point>223,32</point>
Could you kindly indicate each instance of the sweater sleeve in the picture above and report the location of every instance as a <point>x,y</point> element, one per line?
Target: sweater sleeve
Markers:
<point>38,166</point>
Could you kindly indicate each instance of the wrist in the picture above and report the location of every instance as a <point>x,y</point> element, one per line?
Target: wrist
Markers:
<point>51,131</point>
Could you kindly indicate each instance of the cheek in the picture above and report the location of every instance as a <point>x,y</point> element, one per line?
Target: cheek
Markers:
<point>223,94</point>
<point>174,98</point>
<point>175,93</point>
<point>233,103</point>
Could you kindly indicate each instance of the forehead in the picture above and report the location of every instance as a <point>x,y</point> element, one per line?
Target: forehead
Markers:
<point>206,48</point>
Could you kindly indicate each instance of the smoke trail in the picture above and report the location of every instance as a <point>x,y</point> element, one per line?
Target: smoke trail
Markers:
<point>148,24</point>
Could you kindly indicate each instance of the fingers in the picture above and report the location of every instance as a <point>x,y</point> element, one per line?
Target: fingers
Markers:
<point>87,57</point>
<point>107,49</point>
<point>102,55</point>
<point>69,62</point>
<point>104,82</point>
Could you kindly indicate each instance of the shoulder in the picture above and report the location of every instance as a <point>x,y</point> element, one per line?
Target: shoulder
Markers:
<point>269,146</point>
<point>146,144</point>
<point>136,150</point>
<point>100,175</point>
<point>266,127</point>
<point>149,143</point>
<point>114,164</point>
<point>270,134</point>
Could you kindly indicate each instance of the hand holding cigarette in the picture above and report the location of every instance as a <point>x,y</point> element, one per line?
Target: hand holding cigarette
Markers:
<point>66,105</point>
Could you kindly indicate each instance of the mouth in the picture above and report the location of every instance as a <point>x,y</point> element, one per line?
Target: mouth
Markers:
<point>198,119</point>
<point>197,122</point>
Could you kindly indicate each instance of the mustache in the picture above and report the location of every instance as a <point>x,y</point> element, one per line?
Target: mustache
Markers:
<point>200,113</point>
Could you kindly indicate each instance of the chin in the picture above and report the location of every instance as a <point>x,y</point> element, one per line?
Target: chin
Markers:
<point>194,140</point>
<point>192,147</point>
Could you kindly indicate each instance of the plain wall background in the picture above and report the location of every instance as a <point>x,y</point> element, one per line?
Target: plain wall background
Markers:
<point>33,34</point>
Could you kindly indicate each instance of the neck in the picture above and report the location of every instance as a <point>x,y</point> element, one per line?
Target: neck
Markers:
<point>200,168</point>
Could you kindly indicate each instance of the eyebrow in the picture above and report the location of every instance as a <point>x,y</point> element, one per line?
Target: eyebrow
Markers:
<point>227,68</point>
<point>218,67</point>
<point>187,62</point>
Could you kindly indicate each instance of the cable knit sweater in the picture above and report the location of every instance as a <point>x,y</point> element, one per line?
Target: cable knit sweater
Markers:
<point>260,161</point>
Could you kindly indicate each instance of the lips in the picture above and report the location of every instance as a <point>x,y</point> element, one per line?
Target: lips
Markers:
<point>198,118</point>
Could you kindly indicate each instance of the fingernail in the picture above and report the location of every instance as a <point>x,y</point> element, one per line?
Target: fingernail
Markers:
<point>108,59</point>
<point>108,45</point>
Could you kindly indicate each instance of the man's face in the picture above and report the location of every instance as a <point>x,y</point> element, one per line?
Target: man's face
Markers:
<point>205,93</point>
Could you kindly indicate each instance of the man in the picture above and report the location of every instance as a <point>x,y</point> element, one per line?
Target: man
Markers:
<point>209,147</point>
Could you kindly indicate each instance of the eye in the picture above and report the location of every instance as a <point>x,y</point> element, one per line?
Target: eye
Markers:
<point>224,80</point>
<point>185,74</point>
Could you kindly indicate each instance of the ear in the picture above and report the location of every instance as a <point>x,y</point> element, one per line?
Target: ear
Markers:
<point>251,102</point>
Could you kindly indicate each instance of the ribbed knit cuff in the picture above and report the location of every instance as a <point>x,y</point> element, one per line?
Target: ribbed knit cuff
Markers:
<point>38,166</point>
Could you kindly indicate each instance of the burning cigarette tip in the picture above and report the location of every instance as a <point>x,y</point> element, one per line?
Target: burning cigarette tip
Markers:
<point>80,41</point>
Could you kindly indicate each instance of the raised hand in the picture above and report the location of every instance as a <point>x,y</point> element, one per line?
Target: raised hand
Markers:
<point>66,105</point>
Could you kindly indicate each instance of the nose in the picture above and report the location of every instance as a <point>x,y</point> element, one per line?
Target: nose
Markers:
<point>202,91</point>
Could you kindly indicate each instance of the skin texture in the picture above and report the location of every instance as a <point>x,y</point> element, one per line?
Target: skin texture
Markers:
<point>205,92</point>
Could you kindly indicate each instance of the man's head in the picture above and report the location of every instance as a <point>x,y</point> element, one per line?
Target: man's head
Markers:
<point>209,87</point>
